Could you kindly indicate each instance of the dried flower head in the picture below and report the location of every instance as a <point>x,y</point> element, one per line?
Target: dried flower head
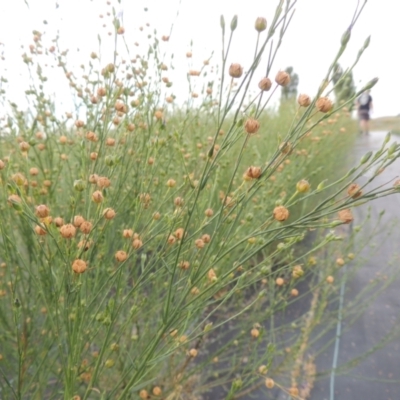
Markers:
<point>255,333</point>
<point>286,148</point>
<point>252,173</point>
<point>103,182</point>
<point>345,216</point>
<point>235,70</point>
<point>193,352</point>
<point>340,262</point>
<point>143,394</point>
<point>179,233</point>
<point>265,84</point>
<point>294,292</point>
<point>58,221</point>
<point>304,100</point>
<point>279,281</point>
<point>24,146</point>
<point>269,383</point>
<point>34,171</point>
<point>121,255</point>
<point>184,265</point>
<point>281,213</point>
<point>79,266</point>
<point>211,275</point>
<point>282,78</point>
<point>39,229</point>
<point>206,238</point>
<point>171,183</point>
<point>157,391</point>
<point>110,142</point>
<point>67,231</point>
<point>199,243</point>
<point>137,244</point>
<point>78,220</point>
<point>14,199</point>
<point>97,196</point>
<point>42,211</point>
<point>209,212</point>
<point>86,227</point>
<point>330,279</point>
<point>251,126</point>
<point>354,191</point>
<point>109,213</point>
<point>127,233</point>
<point>324,105</point>
<point>178,201</point>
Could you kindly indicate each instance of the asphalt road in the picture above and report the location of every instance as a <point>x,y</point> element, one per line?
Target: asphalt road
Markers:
<point>378,376</point>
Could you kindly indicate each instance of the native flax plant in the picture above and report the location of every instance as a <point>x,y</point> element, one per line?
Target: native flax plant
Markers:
<point>131,244</point>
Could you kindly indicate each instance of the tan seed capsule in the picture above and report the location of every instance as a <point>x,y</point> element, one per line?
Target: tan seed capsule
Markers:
<point>251,126</point>
<point>282,78</point>
<point>330,279</point>
<point>157,391</point>
<point>179,233</point>
<point>127,233</point>
<point>294,292</point>
<point>103,182</point>
<point>184,265</point>
<point>121,256</point>
<point>143,394</point>
<point>235,70</point>
<point>109,213</point>
<point>78,220</point>
<point>42,211</point>
<point>58,221</point>
<point>39,229</point>
<point>97,196</point>
<point>171,183</point>
<point>199,243</point>
<point>340,262</point>
<point>281,213</point>
<point>193,352</point>
<point>178,201</point>
<point>86,227</point>
<point>209,212</point>
<point>24,146</point>
<point>67,231</point>
<point>110,142</point>
<point>345,216</point>
<point>206,238</point>
<point>354,191</point>
<point>79,266</point>
<point>137,244</point>
<point>265,84</point>
<point>286,148</point>
<point>324,105</point>
<point>269,383</point>
<point>255,333</point>
<point>34,171</point>
<point>279,281</point>
<point>304,100</point>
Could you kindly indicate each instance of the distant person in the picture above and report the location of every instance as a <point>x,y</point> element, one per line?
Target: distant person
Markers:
<point>364,107</point>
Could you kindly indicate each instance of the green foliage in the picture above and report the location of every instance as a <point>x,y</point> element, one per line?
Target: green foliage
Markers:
<point>290,91</point>
<point>344,85</point>
<point>149,249</point>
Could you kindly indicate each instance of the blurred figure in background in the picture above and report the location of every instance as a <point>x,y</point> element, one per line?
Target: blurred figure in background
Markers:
<point>364,107</point>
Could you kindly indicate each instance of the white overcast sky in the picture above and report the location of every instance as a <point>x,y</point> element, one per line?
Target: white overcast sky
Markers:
<point>309,45</point>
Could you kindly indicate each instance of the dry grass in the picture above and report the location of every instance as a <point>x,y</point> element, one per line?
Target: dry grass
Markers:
<point>386,124</point>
